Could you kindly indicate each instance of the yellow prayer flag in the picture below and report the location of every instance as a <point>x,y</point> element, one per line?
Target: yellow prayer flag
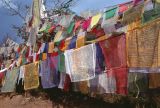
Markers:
<point>51,47</point>
<point>95,19</point>
<point>58,35</point>
<point>143,46</point>
<point>31,76</point>
<point>80,41</point>
<point>158,1</point>
<point>44,56</point>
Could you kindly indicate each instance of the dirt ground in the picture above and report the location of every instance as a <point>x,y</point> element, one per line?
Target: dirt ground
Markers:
<point>19,101</point>
<point>62,101</point>
<point>58,99</point>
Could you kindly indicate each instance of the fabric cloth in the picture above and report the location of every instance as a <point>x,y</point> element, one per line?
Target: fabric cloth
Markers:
<point>114,50</point>
<point>61,63</point>
<point>77,25</point>
<point>99,59</point>
<point>134,25</point>
<point>151,14</point>
<point>21,74</point>
<point>44,27</point>
<point>110,13</point>
<point>83,86</point>
<point>72,43</point>
<point>62,80</point>
<point>41,50</point>
<point>148,5</point>
<point>34,57</point>
<point>108,29</point>
<point>93,84</point>
<point>132,14</point>
<point>32,36</point>
<point>66,44</point>
<point>3,70</point>
<point>70,28</point>
<point>46,48</point>
<point>106,84</point>
<point>35,22</point>
<point>80,63</point>
<point>47,28</point>
<point>19,61</point>
<point>43,10</point>
<point>123,8</point>
<point>2,76</point>
<point>51,30</point>
<point>143,48</point>
<point>51,47</point>
<point>137,82</point>
<point>49,74</point>
<point>67,83</point>
<point>154,80</point>
<point>80,41</point>
<point>137,2</point>
<point>10,80</point>
<point>66,20</point>
<point>36,13</point>
<point>98,31</point>
<point>109,24</point>
<point>44,56</point>
<point>121,77</point>
<point>95,19</point>
<point>31,76</point>
<point>86,24</point>
<point>102,84</point>
<point>58,35</point>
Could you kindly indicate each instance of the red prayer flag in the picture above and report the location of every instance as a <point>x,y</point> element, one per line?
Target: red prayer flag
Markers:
<point>114,50</point>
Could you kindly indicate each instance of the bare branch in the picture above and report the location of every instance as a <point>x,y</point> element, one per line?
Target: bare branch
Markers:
<point>12,10</point>
<point>22,10</point>
<point>61,6</point>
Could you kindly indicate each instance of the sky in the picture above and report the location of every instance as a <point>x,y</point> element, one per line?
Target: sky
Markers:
<point>81,5</point>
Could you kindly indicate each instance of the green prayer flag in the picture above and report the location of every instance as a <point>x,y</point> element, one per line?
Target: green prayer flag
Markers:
<point>151,14</point>
<point>61,63</point>
<point>47,28</point>
<point>10,80</point>
<point>24,61</point>
<point>40,56</point>
<point>110,13</point>
<point>70,28</point>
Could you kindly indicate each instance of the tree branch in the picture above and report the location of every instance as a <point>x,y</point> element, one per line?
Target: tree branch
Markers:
<point>12,9</point>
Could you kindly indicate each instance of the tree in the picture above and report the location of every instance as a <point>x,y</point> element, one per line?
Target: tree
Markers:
<point>60,6</point>
<point>21,10</point>
<point>17,8</point>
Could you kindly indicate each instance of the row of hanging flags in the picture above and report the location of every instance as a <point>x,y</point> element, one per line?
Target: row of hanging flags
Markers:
<point>114,52</point>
